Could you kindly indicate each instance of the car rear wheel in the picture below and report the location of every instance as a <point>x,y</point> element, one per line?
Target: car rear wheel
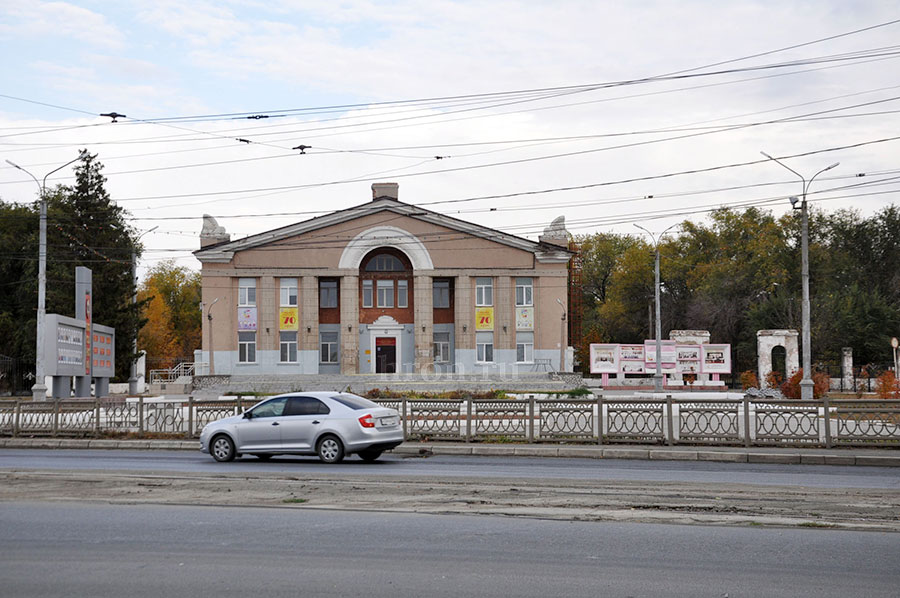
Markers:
<point>222,448</point>
<point>369,456</point>
<point>330,450</point>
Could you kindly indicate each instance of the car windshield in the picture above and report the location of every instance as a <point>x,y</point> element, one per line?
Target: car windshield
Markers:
<point>355,402</point>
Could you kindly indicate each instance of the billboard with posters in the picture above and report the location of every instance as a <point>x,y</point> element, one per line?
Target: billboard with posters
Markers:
<point>668,358</point>
<point>716,359</point>
<point>604,359</point>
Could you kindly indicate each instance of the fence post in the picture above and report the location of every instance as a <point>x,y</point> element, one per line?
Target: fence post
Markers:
<point>827,409</point>
<point>240,405</point>
<point>140,416</point>
<point>469,418</point>
<point>55,429</point>
<point>403,412</point>
<point>97,417</point>
<point>17,415</point>
<point>531,418</point>
<point>600,419</point>
<point>746,421</point>
<point>670,435</point>
<point>190,421</point>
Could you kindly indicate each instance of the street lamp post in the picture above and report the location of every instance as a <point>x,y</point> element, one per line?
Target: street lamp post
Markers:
<point>132,379</point>
<point>39,390</point>
<point>806,384</point>
<point>657,377</point>
<point>894,344</point>
<point>212,369</point>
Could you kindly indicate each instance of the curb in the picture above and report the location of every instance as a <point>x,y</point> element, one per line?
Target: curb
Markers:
<point>725,455</point>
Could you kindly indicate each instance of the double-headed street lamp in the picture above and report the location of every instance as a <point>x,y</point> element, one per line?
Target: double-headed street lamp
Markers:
<point>806,384</point>
<point>39,390</point>
<point>657,377</point>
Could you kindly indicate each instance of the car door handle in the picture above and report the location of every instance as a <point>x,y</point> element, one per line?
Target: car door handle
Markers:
<point>315,421</point>
<point>274,423</point>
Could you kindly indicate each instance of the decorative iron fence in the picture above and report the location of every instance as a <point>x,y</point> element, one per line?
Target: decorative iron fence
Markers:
<point>651,420</point>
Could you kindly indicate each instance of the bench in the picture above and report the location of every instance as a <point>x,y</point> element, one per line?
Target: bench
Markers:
<point>543,365</point>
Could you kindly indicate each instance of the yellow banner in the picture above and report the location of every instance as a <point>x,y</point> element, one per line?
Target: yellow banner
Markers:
<point>484,318</point>
<point>288,319</point>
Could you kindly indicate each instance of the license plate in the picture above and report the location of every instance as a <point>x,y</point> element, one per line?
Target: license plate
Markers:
<point>389,421</point>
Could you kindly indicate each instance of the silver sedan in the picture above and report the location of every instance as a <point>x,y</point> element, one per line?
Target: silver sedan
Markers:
<point>328,424</point>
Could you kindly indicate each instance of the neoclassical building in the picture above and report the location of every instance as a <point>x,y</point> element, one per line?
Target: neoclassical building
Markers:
<point>383,287</point>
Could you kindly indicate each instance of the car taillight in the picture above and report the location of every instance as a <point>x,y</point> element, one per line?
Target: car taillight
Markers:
<point>367,421</point>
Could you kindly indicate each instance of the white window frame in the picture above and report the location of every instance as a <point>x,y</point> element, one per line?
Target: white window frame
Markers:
<point>246,347</point>
<point>286,296</point>
<point>368,293</point>
<point>333,349</point>
<point>402,293</point>
<point>246,292</point>
<point>524,292</point>
<point>441,352</point>
<point>484,347</point>
<point>384,293</point>
<point>440,294</point>
<point>484,292</point>
<point>287,344</point>
<point>525,347</point>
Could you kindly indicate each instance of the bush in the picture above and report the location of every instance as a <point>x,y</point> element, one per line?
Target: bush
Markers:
<point>887,386</point>
<point>774,379</point>
<point>749,380</point>
<point>791,387</point>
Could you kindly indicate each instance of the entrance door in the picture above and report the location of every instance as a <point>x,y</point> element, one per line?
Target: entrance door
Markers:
<point>385,355</point>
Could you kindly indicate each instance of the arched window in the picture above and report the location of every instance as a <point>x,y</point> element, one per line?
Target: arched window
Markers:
<point>385,284</point>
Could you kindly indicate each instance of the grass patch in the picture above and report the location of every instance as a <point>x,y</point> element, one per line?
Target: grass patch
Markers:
<point>815,524</point>
<point>295,501</point>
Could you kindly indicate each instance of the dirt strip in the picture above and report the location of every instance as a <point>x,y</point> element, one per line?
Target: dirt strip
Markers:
<point>660,502</point>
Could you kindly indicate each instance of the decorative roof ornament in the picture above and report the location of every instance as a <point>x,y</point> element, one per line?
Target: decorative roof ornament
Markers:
<point>556,233</point>
<point>212,232</point>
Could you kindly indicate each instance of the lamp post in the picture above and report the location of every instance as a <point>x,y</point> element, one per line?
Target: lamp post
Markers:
<point>39,390</point>
<point>562,337</point>
<point>895,343</point>
<point>132,379</point>
<point>657,377</point>
<point>806,384</point>
<point>212,368</point>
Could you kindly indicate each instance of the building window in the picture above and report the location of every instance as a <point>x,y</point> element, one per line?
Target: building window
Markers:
<point>288,345</point>
<point>247,291</point>
<point>525,347</point>
<point>484,292</point>
<point>288,290</point>
<point>441,293</point>
<point>524,292</point>
<point>384,262</point>
<point>328,347</point>
<point>402,293</point>
<point>367,293</point>
<point>328,293</point>
<point>442,347</point>
<point>385,293</point>
<point>484,345</point>
<point>246,347</point>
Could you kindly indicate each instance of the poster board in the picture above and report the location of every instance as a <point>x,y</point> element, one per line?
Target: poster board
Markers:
<point>716,359</point>
<point>668,357</point>
<point>604,359</point>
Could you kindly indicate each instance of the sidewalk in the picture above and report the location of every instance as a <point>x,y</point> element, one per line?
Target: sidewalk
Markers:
<point>724,454</point>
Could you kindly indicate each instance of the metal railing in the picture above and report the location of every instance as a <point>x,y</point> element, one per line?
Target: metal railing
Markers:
<point>167,376</point>
<point>650,420</point>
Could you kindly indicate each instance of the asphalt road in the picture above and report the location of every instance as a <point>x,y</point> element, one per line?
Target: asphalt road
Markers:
<point>142,462</point>
<point>50,549</point>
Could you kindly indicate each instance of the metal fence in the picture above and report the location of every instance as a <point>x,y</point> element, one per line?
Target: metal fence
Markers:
<point>650,420</point>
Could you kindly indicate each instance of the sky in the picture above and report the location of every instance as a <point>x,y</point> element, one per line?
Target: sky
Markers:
<point>505,113</point>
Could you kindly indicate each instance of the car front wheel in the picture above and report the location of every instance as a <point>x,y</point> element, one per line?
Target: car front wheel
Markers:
<point>222,448</point>
<point>330,450</point>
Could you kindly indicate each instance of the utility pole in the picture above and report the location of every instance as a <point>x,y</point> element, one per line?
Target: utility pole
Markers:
<point>39,390</point>
<point>657,377</point>
<point>806,384</point>
<point>132,379</point>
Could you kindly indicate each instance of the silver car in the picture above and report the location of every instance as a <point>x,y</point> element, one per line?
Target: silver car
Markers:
<point>331,425</point>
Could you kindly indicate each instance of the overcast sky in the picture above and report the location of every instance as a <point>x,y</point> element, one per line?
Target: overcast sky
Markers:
<point>552,106</point>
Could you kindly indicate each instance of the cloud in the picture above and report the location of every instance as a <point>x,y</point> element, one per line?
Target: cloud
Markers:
<point>59,19</point>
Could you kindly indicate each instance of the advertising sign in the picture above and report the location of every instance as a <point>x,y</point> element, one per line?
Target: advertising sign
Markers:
<point>103,358</point>
<point>524,318</point>
<point>246,319</point>
<point>716,359</point>
<point>631,353</point>
<point>668,357</point>
<point>484,318</point>
<point>288,320</point>
<point>604,359</point>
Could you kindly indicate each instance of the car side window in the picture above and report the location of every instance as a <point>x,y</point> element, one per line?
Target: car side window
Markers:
<point>273,408</point>
<point>306,406</point>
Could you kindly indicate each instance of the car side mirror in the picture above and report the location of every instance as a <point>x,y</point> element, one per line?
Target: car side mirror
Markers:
<point>248,415</point>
